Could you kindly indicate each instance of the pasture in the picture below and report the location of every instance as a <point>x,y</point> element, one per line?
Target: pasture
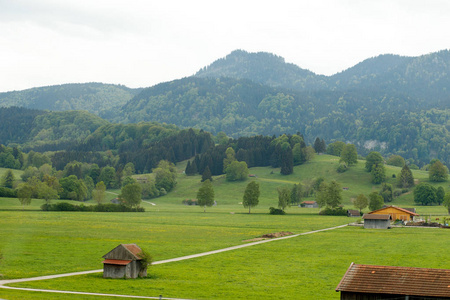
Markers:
<point>36,243</point>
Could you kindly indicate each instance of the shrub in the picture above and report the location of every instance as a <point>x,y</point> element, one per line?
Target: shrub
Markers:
<point>7,192</point>
<point>276,211</point>
<point>64,206</point>
<point>342,168</point>
<point>338,211</point>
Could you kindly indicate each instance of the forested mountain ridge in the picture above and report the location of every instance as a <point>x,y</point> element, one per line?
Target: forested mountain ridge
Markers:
<point>42,130</point>
<point>264,68</point>
<point>94,97</point>
<point>389,103</point>
<point>424,78</point>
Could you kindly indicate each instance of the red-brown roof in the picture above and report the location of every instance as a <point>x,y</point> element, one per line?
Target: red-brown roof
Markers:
<point>396,281</point>
<point>133,248</point>
<point>124,252</point>
<point>116,262</point>
<point>309,202</point>
<point>399,208</point>
<point>376,217</point>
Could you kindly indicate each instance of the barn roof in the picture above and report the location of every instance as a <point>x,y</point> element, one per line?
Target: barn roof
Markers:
<point>396,281</point>
<point>376,217</point>
<point>124,252</point>
<point>395,207</point>
<point>309,202</point>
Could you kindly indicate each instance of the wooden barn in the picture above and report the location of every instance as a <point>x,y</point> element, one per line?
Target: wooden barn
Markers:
<point>353,213</point>
<point>123,262</point>
<point>375,221</point>
<point>396,213</point>
<point>309,204</point>
<point>367,282</point>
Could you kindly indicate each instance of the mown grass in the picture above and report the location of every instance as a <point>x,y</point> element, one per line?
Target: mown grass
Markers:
<point>37,243</point>
<point>306,267</point>
<point>41,243</point>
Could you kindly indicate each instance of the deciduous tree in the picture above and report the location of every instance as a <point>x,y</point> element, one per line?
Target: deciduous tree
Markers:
<point>205,195</point>
<point>361,202</point>
<point>24,194</point>
<point>373,158</point>
<point>251,195</point>
<point>284,195</point>
<point>99,192</point>
<point>349,155</point>
<point>375,201</point>
<point>424,194</point>
<point>438,172</point>
<point>130,195</point>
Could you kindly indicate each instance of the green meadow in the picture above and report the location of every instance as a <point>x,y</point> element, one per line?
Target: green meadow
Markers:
<point>35,243</point>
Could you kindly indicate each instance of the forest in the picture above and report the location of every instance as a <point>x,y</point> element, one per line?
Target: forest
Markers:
<point>390,104</point>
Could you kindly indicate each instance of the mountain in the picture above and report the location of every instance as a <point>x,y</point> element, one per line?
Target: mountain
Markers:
<point>389,103</point>
<point>264,68</point>
<point>424,78</point>
<point>94,97</point>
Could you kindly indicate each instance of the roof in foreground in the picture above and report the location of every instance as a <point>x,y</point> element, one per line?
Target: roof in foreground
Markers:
<point>376,217</point>
<point>396,281</point>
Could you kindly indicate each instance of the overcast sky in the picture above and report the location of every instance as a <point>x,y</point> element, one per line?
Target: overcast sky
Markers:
<point>142,43</point>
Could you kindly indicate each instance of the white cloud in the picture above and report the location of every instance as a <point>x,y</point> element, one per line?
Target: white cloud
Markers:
<point>141,43</point>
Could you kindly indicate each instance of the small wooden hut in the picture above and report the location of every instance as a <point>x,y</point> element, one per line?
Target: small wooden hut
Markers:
<point>375,221</point>
<point>384,282</point>
<point>123,262</point>
<point>353,213</point>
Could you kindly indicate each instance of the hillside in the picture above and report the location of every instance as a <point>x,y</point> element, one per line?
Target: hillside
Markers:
<point>43,131</point>
<point>94,97</point>
<point>389,123</point>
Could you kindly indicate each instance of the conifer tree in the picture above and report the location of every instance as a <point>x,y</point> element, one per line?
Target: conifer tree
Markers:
<point>8,179</point>
<point>206,174</point>
<point>405,179</point>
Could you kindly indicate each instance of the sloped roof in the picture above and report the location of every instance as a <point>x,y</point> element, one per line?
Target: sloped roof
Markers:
<point>309,202</point>
<point>395,207</point>
<point>396,281</point>
<point>116,262</point>
<point>124,252</point>
<point>376,217</point>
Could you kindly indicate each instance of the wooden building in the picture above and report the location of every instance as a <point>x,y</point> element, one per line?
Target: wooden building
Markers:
<point>396,213</point>
<point>309,204</point>
<point>368,282</point>
<point>123,262</point>
<point>353,213</point>
<point>375,221</point>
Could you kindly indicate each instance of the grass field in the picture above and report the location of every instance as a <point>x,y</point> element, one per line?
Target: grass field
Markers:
<point>35,243</point>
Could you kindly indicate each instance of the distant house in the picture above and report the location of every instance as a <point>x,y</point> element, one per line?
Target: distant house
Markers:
<point>309,204</point>
<point>384,282</point>
<point>376,221</point>
<point>123,262</point>
<point>353,213</point>
<point>396,213</point>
